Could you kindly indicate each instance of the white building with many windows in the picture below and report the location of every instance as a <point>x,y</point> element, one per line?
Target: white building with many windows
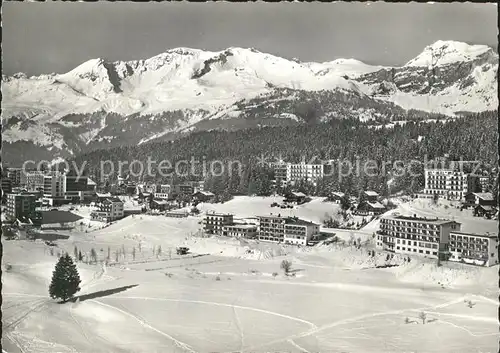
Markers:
<point>111,209</point>
<point>449,184</point>
<point>478,249</point>
<point>288,230</point>
<point>289,173</point>
<point>415,235</point>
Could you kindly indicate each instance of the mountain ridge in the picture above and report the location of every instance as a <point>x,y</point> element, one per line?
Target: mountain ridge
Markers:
<point>185,89</point>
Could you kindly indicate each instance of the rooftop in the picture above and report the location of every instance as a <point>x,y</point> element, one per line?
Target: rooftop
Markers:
<point>375,204</point>
<point>113,199</point>
<point>421,219</point>
<point>219,214</point>
<point>244,226</point>
<point>371,193</point>
<point>206,193</point>
<point>487,235</point>
<point>487,196</point>
<point>300,222</point>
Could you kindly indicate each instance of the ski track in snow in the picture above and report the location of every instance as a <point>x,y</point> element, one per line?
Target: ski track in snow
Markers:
<point>178,343</point>
<point>350,320</point>
<point>223,305</point>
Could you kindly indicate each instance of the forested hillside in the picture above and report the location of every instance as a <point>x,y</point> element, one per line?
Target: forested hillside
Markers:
<point>469,138</point>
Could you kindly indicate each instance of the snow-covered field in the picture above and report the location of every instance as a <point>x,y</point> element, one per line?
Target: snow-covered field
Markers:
<point>231,296</point>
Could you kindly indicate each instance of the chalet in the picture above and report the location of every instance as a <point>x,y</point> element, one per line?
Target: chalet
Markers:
<point>203,196</point>
<point>160,205</point>
<point>337,197</point>
<point>371,196</point>
<point>102,196</point>
<point>367,208</point>
<point>23,223</point>
<point>479,198</point>
<point>296,197</point>
<point>485,211</point>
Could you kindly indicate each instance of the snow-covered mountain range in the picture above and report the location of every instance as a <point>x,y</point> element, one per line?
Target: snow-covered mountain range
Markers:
<point>101,103</point>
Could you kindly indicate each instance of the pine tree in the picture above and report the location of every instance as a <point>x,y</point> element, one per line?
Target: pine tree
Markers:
<point>75,253</point>
<point>65,279</point>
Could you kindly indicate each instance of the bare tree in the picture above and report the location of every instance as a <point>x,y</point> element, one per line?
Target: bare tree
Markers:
<point>422,316</point>
<point>133,253</point>
<point>109,254</point>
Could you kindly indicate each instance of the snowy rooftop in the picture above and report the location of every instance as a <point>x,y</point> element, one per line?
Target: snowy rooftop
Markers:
<point>421,219</point>
<point>487,196</point>
<point>487,235</point>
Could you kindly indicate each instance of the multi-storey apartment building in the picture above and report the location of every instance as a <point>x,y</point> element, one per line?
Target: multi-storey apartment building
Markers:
<point>109,210</point>
<point>289,174</point>
<point>79,188</point>
<point>280,173</point>
<point>415,235</point>
<point>484,183</point>
<point>300,232</point>
<point>22,206</point>
<point>479,249</point>
<point>450,184</point>
<point>6,185</point>
<point>35,180</point>
<point>303,171</point>
<point>272,228</point>
<point>15,175</point>
<point>163,192</point>
<point>286,230</point>
<point>213,223</point>
<point>54,185</point>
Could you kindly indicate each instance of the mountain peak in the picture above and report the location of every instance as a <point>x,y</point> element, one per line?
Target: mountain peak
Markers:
<point>445,52</point>
<point>89,66</point>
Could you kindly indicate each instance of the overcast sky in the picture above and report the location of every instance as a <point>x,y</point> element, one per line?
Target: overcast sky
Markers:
<point>55,37</point>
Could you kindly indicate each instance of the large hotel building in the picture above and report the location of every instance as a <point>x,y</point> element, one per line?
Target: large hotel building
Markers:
<point>450,184</point>
<point>288,230</point>
<point>415,235</point>
<point>479,249</point>
<point>288,173</point>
